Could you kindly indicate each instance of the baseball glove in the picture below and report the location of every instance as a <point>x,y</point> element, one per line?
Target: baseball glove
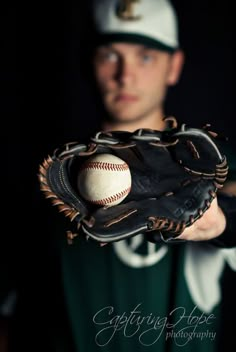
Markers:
<point>175,173</point>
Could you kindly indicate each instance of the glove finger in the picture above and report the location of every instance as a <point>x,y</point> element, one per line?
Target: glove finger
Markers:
<point>199,152</point>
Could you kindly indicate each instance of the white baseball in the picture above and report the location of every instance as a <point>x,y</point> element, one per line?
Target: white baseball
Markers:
<point>104,180</point>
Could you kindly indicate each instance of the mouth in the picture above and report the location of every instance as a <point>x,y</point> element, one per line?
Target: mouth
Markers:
<point>126,97</point>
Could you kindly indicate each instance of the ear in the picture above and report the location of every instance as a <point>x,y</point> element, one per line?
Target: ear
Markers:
<point>176,65</point>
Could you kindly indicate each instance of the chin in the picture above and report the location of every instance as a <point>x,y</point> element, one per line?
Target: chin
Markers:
<point>124,116</point>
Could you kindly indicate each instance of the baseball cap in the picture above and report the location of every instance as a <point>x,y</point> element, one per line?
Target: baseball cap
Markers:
<point>148,22</point>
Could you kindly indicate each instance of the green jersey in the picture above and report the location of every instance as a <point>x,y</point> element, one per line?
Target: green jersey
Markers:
<point>133,296</point>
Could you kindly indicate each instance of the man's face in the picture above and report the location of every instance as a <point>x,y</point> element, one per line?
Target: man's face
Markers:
<point>132,79</point>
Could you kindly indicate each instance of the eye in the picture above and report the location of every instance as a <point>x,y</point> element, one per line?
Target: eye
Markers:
<point>111,56</point>
<point>146,58</point>
<point>108,56</point>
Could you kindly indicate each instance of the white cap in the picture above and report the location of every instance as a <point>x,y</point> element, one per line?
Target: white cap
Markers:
<point>150,22</point>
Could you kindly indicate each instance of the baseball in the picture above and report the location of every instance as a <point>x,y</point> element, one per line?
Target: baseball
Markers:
<point>104,180</point>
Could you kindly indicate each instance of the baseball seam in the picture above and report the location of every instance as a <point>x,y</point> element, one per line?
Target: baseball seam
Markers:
<point>111,199</point>
<point>101,165</point>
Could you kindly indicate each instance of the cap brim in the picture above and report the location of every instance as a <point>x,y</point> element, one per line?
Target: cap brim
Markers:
<point>102,39</point>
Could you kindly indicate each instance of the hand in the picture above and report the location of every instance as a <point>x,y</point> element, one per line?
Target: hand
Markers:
<point>209,226</point>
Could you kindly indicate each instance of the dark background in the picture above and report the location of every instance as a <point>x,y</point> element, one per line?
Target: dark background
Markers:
<point>47,98</point>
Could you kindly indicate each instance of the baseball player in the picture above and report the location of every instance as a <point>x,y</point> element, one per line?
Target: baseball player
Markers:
<point>134,294</point>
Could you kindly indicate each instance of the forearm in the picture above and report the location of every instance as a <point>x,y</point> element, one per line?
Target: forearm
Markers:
<point>228,238</point>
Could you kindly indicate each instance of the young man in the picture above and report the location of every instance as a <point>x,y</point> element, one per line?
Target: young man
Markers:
<point>134,71</point>
<point>134,295</point>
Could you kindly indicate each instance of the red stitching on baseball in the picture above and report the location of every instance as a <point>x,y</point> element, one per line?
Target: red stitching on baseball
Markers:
<point>101,165</point>
<point>112,198</point>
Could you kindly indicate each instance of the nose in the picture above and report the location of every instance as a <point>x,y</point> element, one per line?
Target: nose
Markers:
<point>125,72</point>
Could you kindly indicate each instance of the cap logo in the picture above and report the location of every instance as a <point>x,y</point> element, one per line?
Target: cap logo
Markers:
<point>125,10</point>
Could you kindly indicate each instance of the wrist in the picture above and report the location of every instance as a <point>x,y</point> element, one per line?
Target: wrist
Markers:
<point>227,237</point>
<point>220,222</point>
